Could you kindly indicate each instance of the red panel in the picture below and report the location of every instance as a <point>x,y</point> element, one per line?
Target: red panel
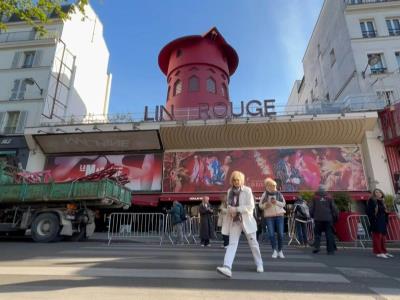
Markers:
<point>145,200</point>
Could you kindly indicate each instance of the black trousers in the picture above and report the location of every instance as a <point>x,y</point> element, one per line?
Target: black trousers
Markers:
<point>320,227</point>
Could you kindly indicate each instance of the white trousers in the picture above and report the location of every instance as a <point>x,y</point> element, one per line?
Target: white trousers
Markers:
<point>234,236</point>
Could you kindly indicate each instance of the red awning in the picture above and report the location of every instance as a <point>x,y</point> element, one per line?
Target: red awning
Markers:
<point>145,200</point>
<point>189,197</point>
<point>360,196</point>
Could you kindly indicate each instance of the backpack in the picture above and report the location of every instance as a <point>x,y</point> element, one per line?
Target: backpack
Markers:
<point>183,214</point>
<point>303,211</point>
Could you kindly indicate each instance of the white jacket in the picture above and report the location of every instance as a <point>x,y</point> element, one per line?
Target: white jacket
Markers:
<point>245,208</point>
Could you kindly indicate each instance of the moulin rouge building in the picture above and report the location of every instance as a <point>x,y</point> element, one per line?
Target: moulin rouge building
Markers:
<point>187,147</point>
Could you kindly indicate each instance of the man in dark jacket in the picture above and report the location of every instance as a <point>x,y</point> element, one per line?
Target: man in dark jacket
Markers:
<point>323,211</point>
<point>177,213</point>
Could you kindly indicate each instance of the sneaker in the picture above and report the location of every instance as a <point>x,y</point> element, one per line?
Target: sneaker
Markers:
<point>208,245</point>
<point>202,245</point>
<point>381,255</point>
<point>225,271</point>
<point>260,269</point>
<point>389,255</point>
<point>275,254</point>
<point>280,254</point>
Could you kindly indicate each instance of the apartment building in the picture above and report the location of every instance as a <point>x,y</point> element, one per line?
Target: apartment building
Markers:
<point>44,78</point>
<point>353,54</point>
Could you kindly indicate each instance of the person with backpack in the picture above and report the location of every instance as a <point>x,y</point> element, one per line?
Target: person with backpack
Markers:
<point>178,216</point>
<point>272,204</point>
<point>324,212</point>
<point>301,218</point>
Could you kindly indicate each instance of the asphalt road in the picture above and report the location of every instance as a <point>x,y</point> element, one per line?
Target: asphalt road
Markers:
<point>138,270</point>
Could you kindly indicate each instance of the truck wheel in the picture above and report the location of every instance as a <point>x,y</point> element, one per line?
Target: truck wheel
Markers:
<point>45,228</point>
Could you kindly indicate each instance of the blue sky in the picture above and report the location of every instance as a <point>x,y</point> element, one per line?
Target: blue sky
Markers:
<point>270,37</point>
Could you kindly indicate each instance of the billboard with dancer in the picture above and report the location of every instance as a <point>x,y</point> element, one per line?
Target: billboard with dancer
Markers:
<point>334,168</point>
<point>143,170</point>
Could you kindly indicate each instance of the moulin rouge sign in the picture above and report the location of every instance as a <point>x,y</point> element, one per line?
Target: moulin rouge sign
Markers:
<point>218,110</point>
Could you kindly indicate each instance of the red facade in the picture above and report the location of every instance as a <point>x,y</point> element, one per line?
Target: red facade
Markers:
<point>198,69</point>
<point>390,122</point>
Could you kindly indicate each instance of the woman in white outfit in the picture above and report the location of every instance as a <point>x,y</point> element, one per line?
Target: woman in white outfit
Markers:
<point>240,218</point>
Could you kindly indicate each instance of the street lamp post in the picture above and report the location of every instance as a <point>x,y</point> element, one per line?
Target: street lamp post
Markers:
<point>373,60</point>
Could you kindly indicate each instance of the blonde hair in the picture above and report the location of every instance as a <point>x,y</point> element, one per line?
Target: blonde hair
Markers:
<point>270,182</point>
<point>239,175</point>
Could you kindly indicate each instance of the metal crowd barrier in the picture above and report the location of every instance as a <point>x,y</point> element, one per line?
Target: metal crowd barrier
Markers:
<point>292,231</point>
<point>171,234</point>
<point>125,226</point>
<point>358,227</point>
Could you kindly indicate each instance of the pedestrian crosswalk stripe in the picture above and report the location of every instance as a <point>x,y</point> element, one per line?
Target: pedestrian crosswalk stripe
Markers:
<point>129,252</point>
<point>170,273</point>
<point>161,261</point>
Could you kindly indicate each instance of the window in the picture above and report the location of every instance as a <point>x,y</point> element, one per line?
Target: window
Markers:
<point>393,26</point>
<point>368,29</point>
<point>398,59</point>
<point>29,59</point>
<point>378,67</point>
<point>211,86</point>
<point>224,90</point>
<point>14,121</point>
<point>387,96</point>
<point>356,1</point>
<point>332,57</point>
<point>177,87</point>
<point>193,84</point>
<point>18,90</point>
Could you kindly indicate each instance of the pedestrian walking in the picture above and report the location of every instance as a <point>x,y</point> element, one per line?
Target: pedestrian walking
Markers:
<point>178,216</point>
<point>324,212</point>
<point>272,204</point>
<point>301,214</point>
<point>240,218</point>
<point>222,215</point>
<point>378,219</point>
<point>206,225</point>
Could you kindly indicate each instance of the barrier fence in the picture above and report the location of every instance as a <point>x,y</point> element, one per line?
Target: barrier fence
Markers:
<point>292,230</point>
<point>125,226</point>
<point>359,229</point>
<point>130,226</point>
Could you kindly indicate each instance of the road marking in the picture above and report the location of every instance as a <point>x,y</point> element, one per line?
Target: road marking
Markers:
<point>170,273</point>
<point>387,293</point>
<point>361,272</point>
<point>174,253</point>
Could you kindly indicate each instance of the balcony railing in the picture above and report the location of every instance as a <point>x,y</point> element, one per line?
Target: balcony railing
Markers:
<point>361,103</point>
<point>22,36</point>
<point>355,2</point>
<point>394,32</point>
<point>369,33</point>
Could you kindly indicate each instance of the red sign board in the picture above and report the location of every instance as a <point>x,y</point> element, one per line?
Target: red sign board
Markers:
<point>334,168</point>
<point>143,170</point>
